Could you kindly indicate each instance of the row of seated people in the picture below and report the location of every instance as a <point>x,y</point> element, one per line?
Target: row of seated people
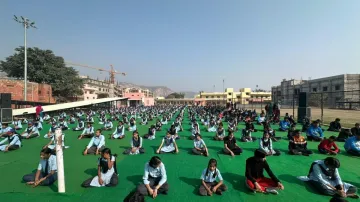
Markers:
<point>155,180</point>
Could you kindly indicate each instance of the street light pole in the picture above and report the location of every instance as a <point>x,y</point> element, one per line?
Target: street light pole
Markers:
<point>27,24</point>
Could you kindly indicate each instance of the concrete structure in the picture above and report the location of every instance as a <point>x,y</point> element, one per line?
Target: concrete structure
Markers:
<point>95,89</point>
<point>35,92</point>
<point>139,96</point>
<point>334,89</point>
<point>243,96</point>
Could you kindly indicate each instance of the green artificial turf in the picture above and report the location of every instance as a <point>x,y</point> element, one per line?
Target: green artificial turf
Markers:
<point>183,170</point>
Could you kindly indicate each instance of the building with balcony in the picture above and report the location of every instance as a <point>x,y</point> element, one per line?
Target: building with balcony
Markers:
<point>243,96</point>
<point>139,96</point>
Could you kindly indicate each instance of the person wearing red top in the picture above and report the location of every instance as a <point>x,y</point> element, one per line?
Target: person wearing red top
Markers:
<point>328,146</point>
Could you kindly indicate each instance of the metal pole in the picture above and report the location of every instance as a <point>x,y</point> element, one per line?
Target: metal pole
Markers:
<point>60,161</point>
<point>25,61</point>
<point>322,108</point>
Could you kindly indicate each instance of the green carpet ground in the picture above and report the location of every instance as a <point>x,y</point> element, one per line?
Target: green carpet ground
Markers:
<point>183,170</point>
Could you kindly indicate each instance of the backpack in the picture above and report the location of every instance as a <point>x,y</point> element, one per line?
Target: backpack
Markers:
<point>134,196</point>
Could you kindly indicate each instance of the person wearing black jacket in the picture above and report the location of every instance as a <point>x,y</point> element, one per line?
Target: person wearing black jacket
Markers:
<point>255,179</point>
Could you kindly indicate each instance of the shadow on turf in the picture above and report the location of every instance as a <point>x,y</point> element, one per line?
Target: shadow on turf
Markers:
<point>237,182</point>
<point>91,171</point>
<point>135,179</point>
<point>294,180</point>
<point>192,182</point>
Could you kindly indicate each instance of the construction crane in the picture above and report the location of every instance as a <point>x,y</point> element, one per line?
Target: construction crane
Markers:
<point>111,72</point>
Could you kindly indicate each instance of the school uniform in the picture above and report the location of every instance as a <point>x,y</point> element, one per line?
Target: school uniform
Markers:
<point>210,177</point>
<point>168,145</point>
<point>158,126</point>
<point>17,125</point>
<point>45,167</point>
<point>144,121</point>
<point>212,127</point>
<point>63,125</point>
<point>132,126</point>
<point>119,132</point>
<point>154,177</point>
<point>53,144</point>
<point>195,130</point>
<point>80,126</point>
<point>135,143</point>
<point>164,121</point>
<point>96,143</point>
<point>200,144</point>
<point>109,176</point>
<point>14,143</point>
<point>220,134</point>
<point>88,132</point>
<point>51,132</point>
<point>151,134</point>
<point>266,146</point>
<point>108,125</point>
<point>4,131</point>
<point>320,176</point>
<point>33,130</point>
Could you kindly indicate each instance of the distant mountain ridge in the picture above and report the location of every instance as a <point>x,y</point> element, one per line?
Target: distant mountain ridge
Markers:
<point>159,91</point>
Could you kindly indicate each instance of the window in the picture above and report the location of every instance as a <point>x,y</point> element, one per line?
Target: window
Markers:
<point>212,96</point>
<point>10,86</point>
<point>207,97</point>
<point>87,97</point>
<point>39,91</point>
<point>229,100</point>
<point>337,87</point>
<point>229,93</point>
<point>218,96</point>
<point>247,93</point>
<point>238,96</point>
<point>99,89</point>
<point>94,98</point>
<point>314,90</point>
<point>325,88</point>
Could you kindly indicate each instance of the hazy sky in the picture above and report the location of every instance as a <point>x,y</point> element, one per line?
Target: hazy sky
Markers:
<point>194,44</point>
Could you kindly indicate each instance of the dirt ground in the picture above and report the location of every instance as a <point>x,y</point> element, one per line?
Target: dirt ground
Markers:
<point>348,117</point>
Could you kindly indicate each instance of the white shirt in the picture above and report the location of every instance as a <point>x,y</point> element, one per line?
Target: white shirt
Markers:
<point>199,143</point>
<point>122,130</point>
<point>88,130</point>
<point>97,141</point>
<point>210,176</point>
<point>155,173</point>
<point>51,165</point>
<point>5,130</point>
<point>108,125</point>
<point>319,176</point>
<point>15,141</point>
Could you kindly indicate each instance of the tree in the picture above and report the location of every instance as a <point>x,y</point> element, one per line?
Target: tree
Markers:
<point>175,95</point>
<point>44,67</point>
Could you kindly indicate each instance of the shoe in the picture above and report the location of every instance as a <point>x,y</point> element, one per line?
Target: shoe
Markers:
<point>271,191</point>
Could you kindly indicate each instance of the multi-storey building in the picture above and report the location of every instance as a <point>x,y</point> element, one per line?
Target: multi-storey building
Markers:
<point>334,89</point>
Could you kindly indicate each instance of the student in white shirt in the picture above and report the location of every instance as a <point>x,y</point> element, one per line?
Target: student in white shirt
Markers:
<point>96,144</point>
<point>51,132</point>
<point>72,119</point>
<point>155,178</point>
<point>107,172</point>
<point>46,171</point>
<point>80,126</point>
<point>52,143</point>
<point>136,145</point>
<point>17,124</point>
<point>209,185</point>
<point>200,146</point>
<point>168,145</point>
<point>31,131</point>
<point>88,132</point>
<point>119,132</point>
<point>220,133</point>
<point>63,124</point>
<point>13,140</point>
<point>4,129</point>
<point>108,125</point>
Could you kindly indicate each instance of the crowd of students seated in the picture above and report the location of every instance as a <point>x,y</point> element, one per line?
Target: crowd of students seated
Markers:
<point>116,122</point>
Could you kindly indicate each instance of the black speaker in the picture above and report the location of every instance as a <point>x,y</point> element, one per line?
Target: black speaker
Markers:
<point>302,112</point>
<point>6,115</point>
<point>5,100</point>
<point>303,99</point>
